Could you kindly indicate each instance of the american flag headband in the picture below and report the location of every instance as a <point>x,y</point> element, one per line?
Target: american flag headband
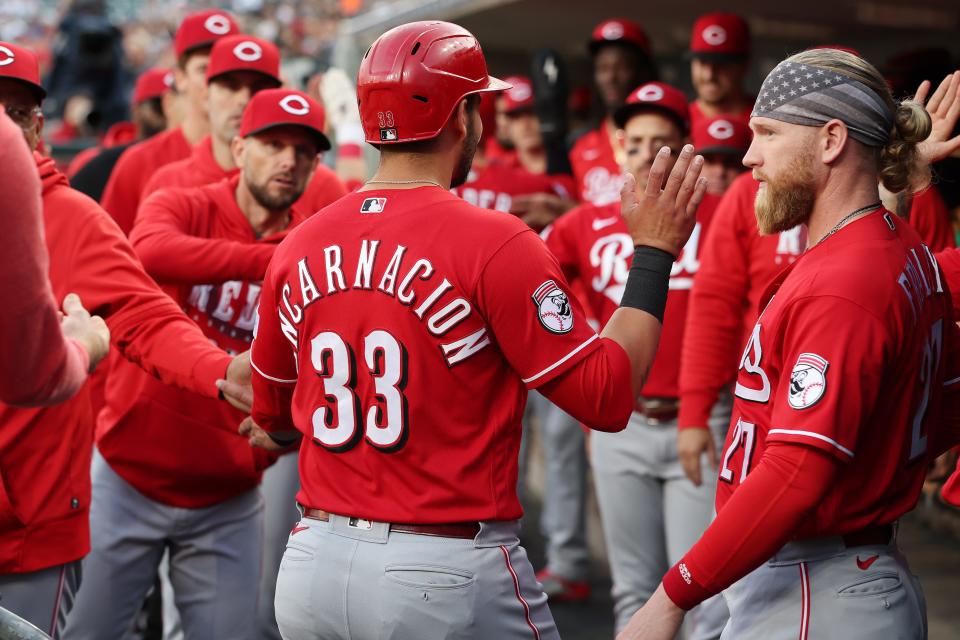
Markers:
<point>807,95</point>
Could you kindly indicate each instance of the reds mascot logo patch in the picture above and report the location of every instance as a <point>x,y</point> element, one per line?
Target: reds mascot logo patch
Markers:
<point>553,308</point>
<point>808,381</point>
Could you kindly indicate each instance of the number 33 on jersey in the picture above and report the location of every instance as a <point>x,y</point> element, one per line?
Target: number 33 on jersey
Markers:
<point>850,362</point>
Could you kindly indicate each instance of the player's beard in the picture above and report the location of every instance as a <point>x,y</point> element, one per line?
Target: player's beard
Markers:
<point>786,202</point>
<point>273,202</point>
<point>462,169</point>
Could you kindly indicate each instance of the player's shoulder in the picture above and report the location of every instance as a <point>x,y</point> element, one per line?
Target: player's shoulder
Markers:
<point>589,140</point>
<point>585,213</point>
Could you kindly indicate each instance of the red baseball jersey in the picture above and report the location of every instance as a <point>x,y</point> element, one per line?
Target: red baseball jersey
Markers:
<point>495,186</point>
<point>930,217</point>
<point>594,247</point>
<point>200,246</point>
<point>201,168</point>
<point>848,357</point>
<point>407,327</point>
<point>123,192</point>
<point>596,172</point>
<point>736,265</point>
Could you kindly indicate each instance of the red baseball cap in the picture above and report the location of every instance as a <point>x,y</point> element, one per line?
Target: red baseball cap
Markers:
<point>519,97</point>
<point>619,30</point>
<point>721,134</point>
<point>241,52</point>
<point>720,36</point>
<point>284,107</point>
<point>17,63</point>
<point>655,96</point>
<point>202,29</point>
<point>152,83</point>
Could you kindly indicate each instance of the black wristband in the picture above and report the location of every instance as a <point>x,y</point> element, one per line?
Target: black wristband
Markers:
<point>283,442</point>
<point>648,281</point>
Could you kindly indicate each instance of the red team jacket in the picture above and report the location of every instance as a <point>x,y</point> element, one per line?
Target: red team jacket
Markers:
<point>45,453</point>
<point>201,168</point>
<point>417,323</point>
<point>736,265</point>
<point>593,246</point>
<point>595,170</point>
<point>173,446</point>
<point>848,357</point>
<point>122,194</point>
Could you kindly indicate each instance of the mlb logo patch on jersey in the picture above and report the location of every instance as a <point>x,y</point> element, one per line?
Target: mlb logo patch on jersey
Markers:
<point>373,205</point>
<point>553,308</point>
<point>808,381</point>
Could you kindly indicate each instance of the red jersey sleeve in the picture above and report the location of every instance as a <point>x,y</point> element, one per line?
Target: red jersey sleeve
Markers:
<point>169,252</point>
<point>560,238</point>
<point>539,325</point>
<point>930,218</point>
<point>718,303</point>
<point>949,261</point>
<point>273,359</point>
<point>835,351</point>
<point>121,195</point>
<point>145,324</point>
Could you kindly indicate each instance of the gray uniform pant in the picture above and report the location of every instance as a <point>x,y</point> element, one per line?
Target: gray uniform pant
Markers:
<point>279,488</point>
<point>42,598</point>
<point>215,556</point>
<point>563,520</point>
<point>820,589</point>
<point>356,580</point>
<point>652,514</point>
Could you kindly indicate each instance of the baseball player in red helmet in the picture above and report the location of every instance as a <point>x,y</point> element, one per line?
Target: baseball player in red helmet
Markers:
<point>719,61</point>
<point>192,43</point>
<point>845,376</point>
<point>399,332</point>
<point>45,453</point>
<point>640,466</point>
<point>622,61</point>
<point>240,66</point>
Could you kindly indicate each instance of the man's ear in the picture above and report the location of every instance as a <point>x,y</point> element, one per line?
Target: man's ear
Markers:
<point>833,140</point>
<point>238,149</point>
<point>462,120</point>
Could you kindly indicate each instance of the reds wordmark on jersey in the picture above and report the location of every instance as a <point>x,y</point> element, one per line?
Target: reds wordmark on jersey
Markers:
<point>412,329</point>
<point>847,357</point>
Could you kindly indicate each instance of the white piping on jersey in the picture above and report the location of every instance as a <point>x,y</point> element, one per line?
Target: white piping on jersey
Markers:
<point>811,434</point>
<point>950,382</point>
<point>561,360</point>
<point>268,377</point>
<point>680,284</point>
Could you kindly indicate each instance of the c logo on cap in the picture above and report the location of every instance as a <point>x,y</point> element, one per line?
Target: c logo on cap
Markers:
<point>295,105</point>
<point>612,31</point>
<point>248,51</point>
<point>715,35</point>
<point>650,94</point>
<point>9,56</point>
<point>520,92</point>
<point>720,129</point>
<point>168,79</point>
<point>217,24</point>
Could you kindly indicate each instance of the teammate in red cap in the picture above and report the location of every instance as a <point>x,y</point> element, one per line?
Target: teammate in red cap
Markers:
<point>622,61</point>
<point>719,61</point>
<point>722,142</point>
<point>209,248</point>
<point>651,512</point>
<point>192,43</point>
<point>240,66</point>
<point>846,375</point>
<point>45,453</point>
<point>406,311</point>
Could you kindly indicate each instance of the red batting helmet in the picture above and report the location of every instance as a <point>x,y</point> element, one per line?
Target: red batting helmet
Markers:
<point>412,78</point>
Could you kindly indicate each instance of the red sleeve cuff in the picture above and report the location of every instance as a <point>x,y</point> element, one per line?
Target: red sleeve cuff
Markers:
<point>682,589</point>
<point>695,408</point>
<point>208,371</point>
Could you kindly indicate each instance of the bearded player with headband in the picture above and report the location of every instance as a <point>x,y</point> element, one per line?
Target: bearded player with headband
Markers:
<point>841,389</point>
<point>406,326</point>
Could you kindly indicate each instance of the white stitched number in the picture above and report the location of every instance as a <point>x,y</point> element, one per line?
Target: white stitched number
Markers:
<point>929,365</point>
<point>335,421</point>
<point>744,434</point>
<point>750,362</point>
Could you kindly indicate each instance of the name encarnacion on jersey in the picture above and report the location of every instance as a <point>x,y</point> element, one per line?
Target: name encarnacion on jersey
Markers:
<point>432,304</point>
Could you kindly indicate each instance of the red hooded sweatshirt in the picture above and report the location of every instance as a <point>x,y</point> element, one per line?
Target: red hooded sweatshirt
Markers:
<point>45,453</point>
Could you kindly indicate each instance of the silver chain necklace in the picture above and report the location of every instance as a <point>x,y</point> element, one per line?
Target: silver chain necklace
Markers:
<point>436,184</point>
<point>847,218</point>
